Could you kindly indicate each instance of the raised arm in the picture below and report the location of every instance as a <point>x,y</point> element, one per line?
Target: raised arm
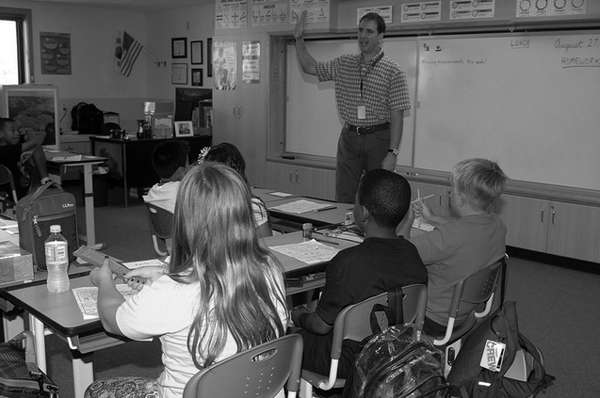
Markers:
<point>307,62</point>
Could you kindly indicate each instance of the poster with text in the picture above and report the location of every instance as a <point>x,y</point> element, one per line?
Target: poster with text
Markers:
<point>269,12</point>
<point>317,11</point>
<point>231,14</point>
<point>55,49</point>
<point>224,65</point>
<point>251,61</point>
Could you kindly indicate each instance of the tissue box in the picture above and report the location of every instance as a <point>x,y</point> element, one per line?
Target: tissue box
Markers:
<point>16,264</point>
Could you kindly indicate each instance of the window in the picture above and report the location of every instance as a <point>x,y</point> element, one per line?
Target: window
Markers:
<point>15,46</point>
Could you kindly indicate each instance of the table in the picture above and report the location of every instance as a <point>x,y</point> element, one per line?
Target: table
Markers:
<point>322,218</point>
<point>131,159</point>
<point>66,159</point>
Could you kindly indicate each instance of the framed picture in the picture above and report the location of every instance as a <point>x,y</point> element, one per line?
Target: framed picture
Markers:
<point>179,47</point>
<point>196,77</point>
<point>209,49</point>
<point>34,108</point>
<point>179,73</point>
<point>184,129</point>
<point>196,54</point>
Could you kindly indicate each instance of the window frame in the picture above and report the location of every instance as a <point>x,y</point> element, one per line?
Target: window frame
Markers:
<point>22,17</point>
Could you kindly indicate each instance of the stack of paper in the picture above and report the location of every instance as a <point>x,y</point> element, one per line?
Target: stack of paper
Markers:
<point>300,206</point>
<point>420,223</point>
<point>87,299</point>
<point>309,252</point>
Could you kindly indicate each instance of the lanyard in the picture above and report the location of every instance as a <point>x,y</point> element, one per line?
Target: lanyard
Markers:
<point>368,69</point>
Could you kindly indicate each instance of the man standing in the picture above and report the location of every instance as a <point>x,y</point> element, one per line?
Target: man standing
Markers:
<point>371,94</point>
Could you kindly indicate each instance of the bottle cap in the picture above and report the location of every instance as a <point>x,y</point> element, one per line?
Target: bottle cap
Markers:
<point>55,229</point>
<point>307,230</point>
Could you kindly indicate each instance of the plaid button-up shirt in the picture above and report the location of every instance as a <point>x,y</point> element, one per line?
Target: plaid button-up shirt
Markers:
<point>384,88</point>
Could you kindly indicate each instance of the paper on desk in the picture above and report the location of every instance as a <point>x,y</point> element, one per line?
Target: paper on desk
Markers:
<point>72,158</point>
<point>300,206</point>
<point>309,252</point>
<point>154,262</point>
<point>8,224</point>
<point>87,299</point>
<point>281,194</point>
<point>420,223</point>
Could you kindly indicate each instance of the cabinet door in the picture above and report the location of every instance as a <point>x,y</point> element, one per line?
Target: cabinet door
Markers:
<point>440,203</point>
<point>283,177</point>
<point>316,182</point>
<point>574,231</point>
<point>526,221</point>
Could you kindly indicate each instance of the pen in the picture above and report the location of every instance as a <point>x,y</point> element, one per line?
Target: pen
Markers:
<point>419,198</point>
<point>327,208</point>
<point>326,241</point>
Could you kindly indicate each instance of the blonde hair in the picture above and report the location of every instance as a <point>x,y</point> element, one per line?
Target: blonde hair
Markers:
<point>215,243</point>
<point>480,180</point>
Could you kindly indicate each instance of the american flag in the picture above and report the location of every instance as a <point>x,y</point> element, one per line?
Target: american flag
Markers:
<point>127,51</point>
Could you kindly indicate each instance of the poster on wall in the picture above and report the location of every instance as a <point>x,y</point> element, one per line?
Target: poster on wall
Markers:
<point>225,65</point>
<point>269,12</point>
<point>55,53</point>
<point>251,61</point>
<point>423,11</point>
<point>231,14</point>
<point>384,11</point>
<point>460,9</point>
<point>317,11</point>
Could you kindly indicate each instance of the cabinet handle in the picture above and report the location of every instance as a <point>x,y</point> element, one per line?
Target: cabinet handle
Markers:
<point>290,178</point>
<point>297,178</point>
<point>553,213</point>
<point>542,216</point>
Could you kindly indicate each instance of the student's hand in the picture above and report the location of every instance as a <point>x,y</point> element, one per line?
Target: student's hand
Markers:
<point>389,162</point>
<point>422,210</point>
<point>101,274</point>
<point>299,31</point>
<point>137,278</point>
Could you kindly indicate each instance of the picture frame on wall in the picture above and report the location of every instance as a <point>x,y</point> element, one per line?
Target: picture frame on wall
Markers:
<point>179,73</point>
<point>196,77</point>
<point>209,49</point>
<point>196,53</point>
<point>184,128</point>
<point>179,47</point>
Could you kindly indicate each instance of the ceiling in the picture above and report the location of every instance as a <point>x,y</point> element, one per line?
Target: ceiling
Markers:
<point>139,4</point>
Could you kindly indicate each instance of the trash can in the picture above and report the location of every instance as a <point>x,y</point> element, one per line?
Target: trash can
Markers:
<point>100,181</point>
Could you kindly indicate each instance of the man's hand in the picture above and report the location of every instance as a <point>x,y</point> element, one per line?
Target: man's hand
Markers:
<point>389,162</point>
<point>299,31</point>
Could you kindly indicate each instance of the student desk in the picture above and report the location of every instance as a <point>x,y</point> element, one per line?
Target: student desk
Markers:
<point>318,218</point>
<point>66,159</point>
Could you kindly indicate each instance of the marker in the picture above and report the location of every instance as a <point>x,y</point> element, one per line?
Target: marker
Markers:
<point>419,198</point>
<point>327,208</point>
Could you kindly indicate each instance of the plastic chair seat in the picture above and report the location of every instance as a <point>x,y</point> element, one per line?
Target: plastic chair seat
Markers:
<point>317,379</point>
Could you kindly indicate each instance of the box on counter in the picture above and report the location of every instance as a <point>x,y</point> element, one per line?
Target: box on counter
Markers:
<point>16,264</point>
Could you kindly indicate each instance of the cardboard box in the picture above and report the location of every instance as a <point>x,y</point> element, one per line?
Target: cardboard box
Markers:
<point>16,264</point>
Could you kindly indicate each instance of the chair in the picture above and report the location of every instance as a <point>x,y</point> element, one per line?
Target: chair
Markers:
<point>478,289</point>
<point>6,178</point>
<point>259,372</point>
<point>353,323</point>
<point>161,222</point>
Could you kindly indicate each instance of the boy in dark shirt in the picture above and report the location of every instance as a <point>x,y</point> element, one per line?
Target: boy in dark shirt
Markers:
<point>14,152</point>
<point>382,262</point>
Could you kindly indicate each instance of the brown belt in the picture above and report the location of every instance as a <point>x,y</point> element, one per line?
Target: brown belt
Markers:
<point>364,130</point>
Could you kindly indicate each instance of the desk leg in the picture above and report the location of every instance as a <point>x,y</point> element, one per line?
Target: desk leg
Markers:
<point>37,327</point>
<point>83,375</point>
<point>88,189</point>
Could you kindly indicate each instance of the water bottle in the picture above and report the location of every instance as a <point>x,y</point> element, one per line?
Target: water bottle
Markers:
<point>57,261</point>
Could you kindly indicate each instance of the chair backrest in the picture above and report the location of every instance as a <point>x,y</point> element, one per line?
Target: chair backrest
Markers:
<point>161,221</point>
<point>6,177</point>
<point>353,321</point>
<point>175,152</point>
<point>259,372</point>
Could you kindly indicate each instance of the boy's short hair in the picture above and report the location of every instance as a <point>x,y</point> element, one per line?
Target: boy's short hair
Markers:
<point>386,195</point>
<point>480,180</point>
<point>168,157</point>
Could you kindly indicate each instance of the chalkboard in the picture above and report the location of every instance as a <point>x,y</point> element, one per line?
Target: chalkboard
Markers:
<point>312,122</point>
<point>531,102</point>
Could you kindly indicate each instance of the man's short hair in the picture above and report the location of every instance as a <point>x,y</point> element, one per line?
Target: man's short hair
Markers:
<point>4,121</point>
<point>480,180</point>
<point>168,157</point>
<point>386,195</point>
<point>373,16</point>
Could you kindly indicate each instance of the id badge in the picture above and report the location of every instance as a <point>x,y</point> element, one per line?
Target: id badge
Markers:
<point>361,112</point>
<point>492,355</point>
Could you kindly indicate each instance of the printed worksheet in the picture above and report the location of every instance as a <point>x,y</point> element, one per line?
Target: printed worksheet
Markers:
<point>300,206</point>
<point>309,252</point>
<point>87,298</point>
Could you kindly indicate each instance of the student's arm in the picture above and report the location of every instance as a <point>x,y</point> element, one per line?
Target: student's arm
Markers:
<point>33,140</point>
<point>109,298</point>
<point>422,210</point>
<point>39,159</point>
<point>307,62</point>
<point>310,321</point>
<point>396,126</point>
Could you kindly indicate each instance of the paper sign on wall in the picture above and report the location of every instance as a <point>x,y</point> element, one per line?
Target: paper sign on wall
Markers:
<point>269,12</point>
<point>55,51</point>
<point>231,14</point>
<point>251,61</point>
<point>225,65</point>
<point>317,11</point>
<point>384,11</point>
<point>421,11</point>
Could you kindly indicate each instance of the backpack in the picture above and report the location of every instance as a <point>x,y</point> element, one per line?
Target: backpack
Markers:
<point>394,364</point>
<point>19,375</point>
<point>48,205</point>
<point>480,347</point>
<point>87,119</point>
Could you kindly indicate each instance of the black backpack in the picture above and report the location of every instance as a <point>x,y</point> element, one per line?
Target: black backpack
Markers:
<point>471,380</point>
<point>87,119</point>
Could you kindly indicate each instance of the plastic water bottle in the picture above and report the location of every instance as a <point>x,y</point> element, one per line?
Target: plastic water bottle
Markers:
<point>57,261</point>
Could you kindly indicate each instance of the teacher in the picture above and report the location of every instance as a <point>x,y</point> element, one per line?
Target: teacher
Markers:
<point>371,95</point>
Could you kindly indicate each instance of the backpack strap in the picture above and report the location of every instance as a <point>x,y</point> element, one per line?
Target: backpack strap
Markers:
<point>394,311</point>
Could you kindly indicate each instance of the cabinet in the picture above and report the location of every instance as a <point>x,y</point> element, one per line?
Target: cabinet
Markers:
<point>307,181</point>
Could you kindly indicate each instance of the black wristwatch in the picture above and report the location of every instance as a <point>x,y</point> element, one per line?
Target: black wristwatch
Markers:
<point>395,151</point>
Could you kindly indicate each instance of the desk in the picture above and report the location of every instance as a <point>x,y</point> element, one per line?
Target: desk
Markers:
<point>131,160</point>
<point>317,218</point>
<point>65,159</point>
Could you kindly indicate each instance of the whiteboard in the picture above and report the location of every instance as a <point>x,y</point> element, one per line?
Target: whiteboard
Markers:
<point>530,102</point>
<point>312,122</point>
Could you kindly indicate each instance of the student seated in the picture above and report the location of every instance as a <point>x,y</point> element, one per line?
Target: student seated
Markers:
<point>169,160</point>
<point>380,263</point>
<point>17,150</point>
<point>222,292</point>
<point>460,245</point>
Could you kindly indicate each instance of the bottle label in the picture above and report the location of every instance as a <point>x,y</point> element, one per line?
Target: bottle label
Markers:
<point>56,252</point>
